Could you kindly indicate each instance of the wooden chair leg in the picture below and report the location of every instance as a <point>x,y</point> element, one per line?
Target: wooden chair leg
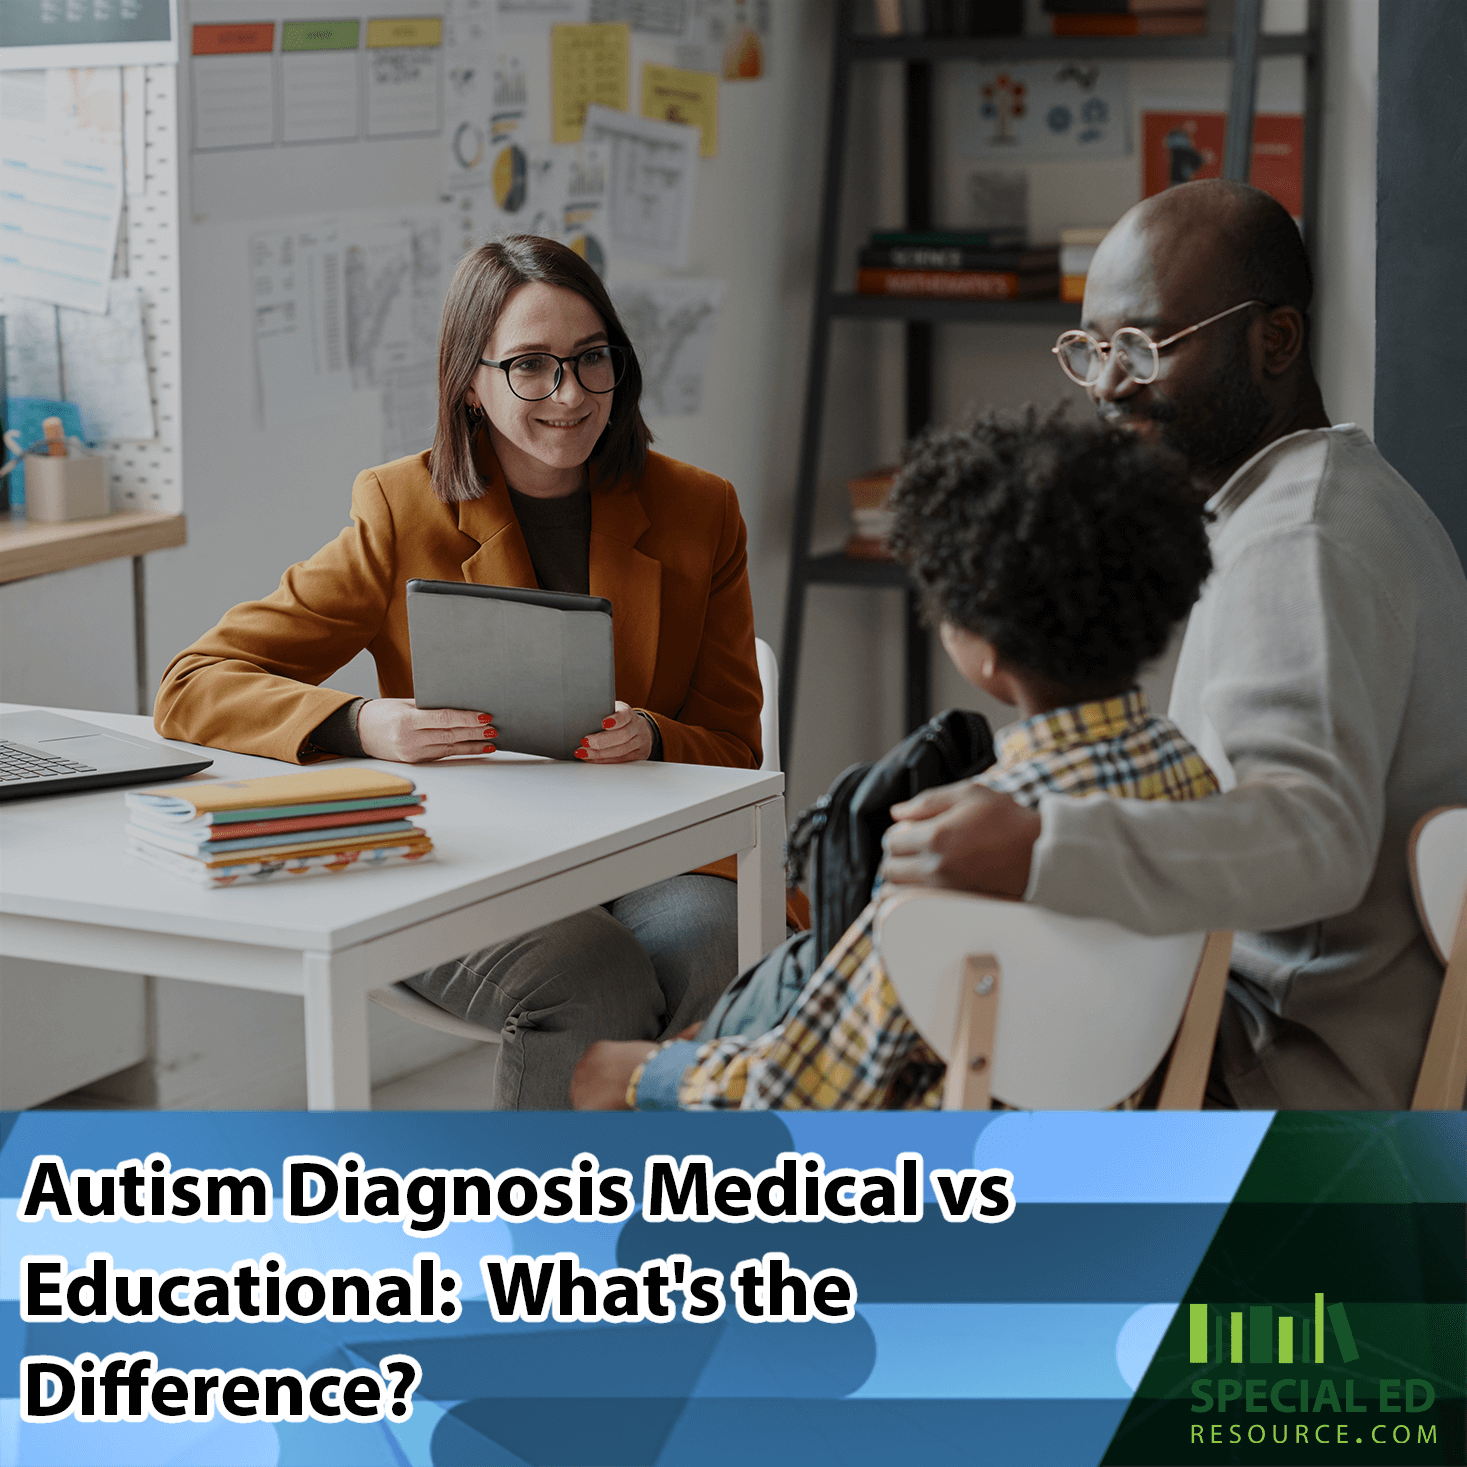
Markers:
<point>1442,1081</point>
<point>970,1060</point>
<point>1186,1076</point>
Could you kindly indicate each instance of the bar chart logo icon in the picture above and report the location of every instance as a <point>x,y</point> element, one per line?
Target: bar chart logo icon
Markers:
<point>1291,1338</point>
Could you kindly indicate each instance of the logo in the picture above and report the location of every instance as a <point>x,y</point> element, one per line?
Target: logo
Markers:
<point>1261,1335</point>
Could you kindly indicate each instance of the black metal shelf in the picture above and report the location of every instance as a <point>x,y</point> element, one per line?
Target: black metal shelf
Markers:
<point>1056,48</point>
<point>839,569</point>
<point>920,317</point>
<point>938,308</point>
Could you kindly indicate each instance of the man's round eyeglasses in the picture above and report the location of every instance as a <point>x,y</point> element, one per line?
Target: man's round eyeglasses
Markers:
<point>537,375</point>
<point>1082,358</point>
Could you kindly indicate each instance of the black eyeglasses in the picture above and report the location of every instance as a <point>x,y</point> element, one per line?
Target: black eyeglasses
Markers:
<point>538,375</point>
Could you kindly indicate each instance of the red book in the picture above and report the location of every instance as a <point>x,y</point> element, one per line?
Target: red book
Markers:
<point>311,822</point>
<point>982,285</point>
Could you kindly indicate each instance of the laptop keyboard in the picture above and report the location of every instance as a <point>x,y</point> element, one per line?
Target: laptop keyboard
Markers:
<point>17,763</point>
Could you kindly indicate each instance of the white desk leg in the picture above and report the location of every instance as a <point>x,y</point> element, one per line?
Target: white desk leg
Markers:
<point>338,1076</point>
<point>761,885</point>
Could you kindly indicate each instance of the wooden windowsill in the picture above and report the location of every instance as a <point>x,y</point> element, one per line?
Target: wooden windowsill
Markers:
<point>31,549</point>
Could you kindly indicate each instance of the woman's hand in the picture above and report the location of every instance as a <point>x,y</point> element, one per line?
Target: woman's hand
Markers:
<point>397,729</point>
<point>624,738</point>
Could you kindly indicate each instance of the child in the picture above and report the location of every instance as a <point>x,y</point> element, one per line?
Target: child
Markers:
<point>1055,561</point>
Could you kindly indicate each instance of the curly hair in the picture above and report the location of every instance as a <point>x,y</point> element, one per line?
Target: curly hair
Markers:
<point>1073,550</point>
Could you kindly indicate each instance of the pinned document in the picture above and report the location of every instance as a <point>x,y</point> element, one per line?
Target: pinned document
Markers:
<point>234,86</point>
<point>689,97</point>
<point>653,176</point>
<point>670,323</point>
<point>727,37</point>
<point>320,75</point>
<point>106,367</point>
<point>589,66</point>
<point>60,184</point>
<point>404,76</point>
<point>298,291</point>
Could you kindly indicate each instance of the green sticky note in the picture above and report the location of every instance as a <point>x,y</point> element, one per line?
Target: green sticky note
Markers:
<point>320,35</point>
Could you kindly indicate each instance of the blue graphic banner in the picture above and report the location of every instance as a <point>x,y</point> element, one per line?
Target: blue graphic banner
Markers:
<point>412,1289</point>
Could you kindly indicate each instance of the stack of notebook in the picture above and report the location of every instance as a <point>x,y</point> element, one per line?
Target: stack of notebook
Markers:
<point>239,831</point>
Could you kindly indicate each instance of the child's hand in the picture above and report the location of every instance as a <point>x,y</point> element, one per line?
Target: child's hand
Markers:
<point>963,837</point>
<point>603,1073</point>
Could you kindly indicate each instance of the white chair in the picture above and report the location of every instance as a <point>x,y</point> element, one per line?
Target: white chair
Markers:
<point>406,1004</point>
<point>1437,854</point>
<point>1049,1012</point>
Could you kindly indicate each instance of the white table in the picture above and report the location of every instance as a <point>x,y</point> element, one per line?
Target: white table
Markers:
<point>519,842</point>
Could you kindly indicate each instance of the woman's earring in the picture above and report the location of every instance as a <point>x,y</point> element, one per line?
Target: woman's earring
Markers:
<point>475,412</point>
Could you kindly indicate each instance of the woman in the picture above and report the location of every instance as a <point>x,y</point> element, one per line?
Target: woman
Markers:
<point>540,474</point>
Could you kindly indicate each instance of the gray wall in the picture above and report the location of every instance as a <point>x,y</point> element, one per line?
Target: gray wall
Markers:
<point>1421,241</point>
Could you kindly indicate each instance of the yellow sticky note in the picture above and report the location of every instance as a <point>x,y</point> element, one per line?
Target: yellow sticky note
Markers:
<point>588,63</point>
<point>691,97</point>
<point>420,30</point>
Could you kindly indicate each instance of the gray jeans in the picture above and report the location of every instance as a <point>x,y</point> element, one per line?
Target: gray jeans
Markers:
<point>642,967</point>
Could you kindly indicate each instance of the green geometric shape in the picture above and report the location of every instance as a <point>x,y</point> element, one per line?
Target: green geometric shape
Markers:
<point>1197,1334</point>
<point>320,35</point>
<point>1346,1339</point>
<point>1235,1341</point>
<point>1362,1207</point>
<point>1260,1335</point>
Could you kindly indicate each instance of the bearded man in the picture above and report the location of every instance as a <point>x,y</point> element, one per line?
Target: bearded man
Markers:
<point>1323,676</point>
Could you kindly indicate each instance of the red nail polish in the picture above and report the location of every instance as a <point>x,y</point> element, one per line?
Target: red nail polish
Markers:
<point>489,748</point>
<point>486,718</point>
<point>583,754</point>
<point>491,733</point>
<point>608,723</point>
<point>586,743</point>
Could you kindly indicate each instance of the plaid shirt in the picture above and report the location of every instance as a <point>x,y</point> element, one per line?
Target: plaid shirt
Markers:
<point>846,1044</point>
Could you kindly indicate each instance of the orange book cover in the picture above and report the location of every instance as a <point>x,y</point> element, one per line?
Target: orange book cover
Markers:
<point>1180,146</point>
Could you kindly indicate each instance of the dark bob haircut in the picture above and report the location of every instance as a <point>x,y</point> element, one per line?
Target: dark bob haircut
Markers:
<point>1073,550</point>
<point>476,296</point>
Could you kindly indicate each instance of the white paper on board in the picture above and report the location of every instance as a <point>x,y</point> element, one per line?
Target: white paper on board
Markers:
<point>32,348</point>
<point>727,37</point>
<point>60,184</point>
<point>652,182</point>
<point>671,324</point>
<point>106,367</point>
<point>404,91</point>
<point>468,44</point>
<point>394,297</point>
<point>1056,109</point>
<point>234,101</point>
<point>297,288</point>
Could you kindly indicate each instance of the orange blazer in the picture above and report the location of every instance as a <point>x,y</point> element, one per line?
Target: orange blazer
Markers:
<point>667,550</point>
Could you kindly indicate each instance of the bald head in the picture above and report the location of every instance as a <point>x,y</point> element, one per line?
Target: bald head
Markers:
<point>1218,237</point>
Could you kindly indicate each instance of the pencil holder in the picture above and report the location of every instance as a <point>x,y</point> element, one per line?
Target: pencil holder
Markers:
<point>73,487</point>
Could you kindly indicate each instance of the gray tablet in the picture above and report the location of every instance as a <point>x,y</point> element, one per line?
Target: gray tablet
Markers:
<point>540,661</point>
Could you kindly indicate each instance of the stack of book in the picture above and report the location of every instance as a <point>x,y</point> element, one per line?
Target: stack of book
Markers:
<point>1128,17</point>
<point>1077,250</point>
<point>957,264</point>
<point>240,831</point>
<point>871,515</point>
<point>949,17</point>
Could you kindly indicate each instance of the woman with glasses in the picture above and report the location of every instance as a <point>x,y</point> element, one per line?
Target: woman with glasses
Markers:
<point>540,475</point>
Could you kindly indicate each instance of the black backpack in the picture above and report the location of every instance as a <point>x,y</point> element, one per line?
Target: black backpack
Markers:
<point>839,836</point>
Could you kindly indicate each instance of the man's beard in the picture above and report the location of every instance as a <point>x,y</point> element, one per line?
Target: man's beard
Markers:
<point>1219,426</point>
